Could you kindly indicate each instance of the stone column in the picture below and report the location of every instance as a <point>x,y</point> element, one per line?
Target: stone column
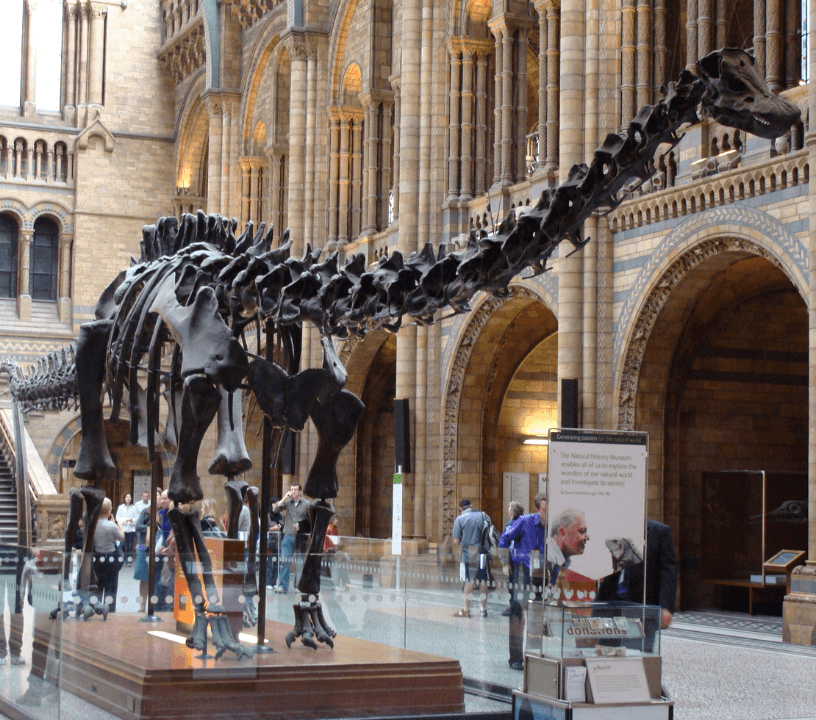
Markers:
<point>541,163</point>
<point>226,117</point>
<point>30,51</point>
<point>30,167</point>
<point>334,179</point>
<point>507,108</point>
<point>481,121</point>
<point>84,48</point>
<point>311,125</point>
<point>799,607</point>
<point>704,23</point>
<point>455,97</point>
<point>410,67</point>
<point>25,238</point>
<point>356,176</point>
<point>661,51</point>
<point>296,45</point>
<point>466,185</point>
<point>215,109</point>
<point>372,141</point>
<point>64,291</point>
<point>344,182</point>
<point>553,84</point>
<point>721,24</point>
<point>759,36</point>
<point>644,53</point>
<point>773,45</point>
<point>70,67</point>
<point>570,279</point>
<point>792,69</point>
<point>397,144</point>
<point>521,108</point>
<point>255,190</point>
<point>497,108</point>
<point>627,62</point>
<point>97,53</point>
<point>691,34</point>
<point>385,163</point>
<point>246,210</point>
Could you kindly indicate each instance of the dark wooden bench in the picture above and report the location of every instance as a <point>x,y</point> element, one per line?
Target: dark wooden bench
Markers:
<point>757,591</point>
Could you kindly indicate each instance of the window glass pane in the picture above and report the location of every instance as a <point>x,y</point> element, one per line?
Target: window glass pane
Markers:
<point>43,260</point>
<point>11,55</point>
<point>8,257</point>
<point>49,54</point>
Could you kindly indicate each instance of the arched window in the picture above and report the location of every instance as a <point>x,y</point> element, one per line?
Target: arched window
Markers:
<point>8,257</point>
<point>43,263</point>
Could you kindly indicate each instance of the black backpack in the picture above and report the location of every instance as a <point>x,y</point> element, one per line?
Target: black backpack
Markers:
<point>490,536</point>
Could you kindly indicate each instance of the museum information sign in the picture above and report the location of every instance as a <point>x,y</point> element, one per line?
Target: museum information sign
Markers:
<point>617,680</point>
<point>603,476</point>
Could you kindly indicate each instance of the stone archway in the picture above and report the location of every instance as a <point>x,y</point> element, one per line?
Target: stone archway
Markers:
<point>716,371</point>
<point>497,337</point>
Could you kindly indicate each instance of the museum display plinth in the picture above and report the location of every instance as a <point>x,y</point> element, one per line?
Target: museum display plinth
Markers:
<point>124,668</point>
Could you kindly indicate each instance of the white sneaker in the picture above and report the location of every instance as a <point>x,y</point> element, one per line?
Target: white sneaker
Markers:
<point>17,660</point>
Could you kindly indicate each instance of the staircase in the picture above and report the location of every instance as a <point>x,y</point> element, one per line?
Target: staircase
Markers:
<point>8,500</point>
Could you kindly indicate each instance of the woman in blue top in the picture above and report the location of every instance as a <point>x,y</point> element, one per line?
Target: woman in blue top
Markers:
<point>514,511</point>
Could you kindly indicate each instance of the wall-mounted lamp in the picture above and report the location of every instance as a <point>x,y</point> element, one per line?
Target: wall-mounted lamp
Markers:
<point>537,440</point>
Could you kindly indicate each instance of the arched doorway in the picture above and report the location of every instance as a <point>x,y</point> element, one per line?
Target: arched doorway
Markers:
<point>722,387</point>
<point>375,445</point>
<point>504,392</point>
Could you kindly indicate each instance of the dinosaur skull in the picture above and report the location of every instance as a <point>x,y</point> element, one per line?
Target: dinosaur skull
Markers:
<point>736,95</point>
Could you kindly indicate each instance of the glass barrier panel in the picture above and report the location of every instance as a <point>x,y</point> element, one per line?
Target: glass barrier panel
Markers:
<point>31,632</point>
<point>443,620</point>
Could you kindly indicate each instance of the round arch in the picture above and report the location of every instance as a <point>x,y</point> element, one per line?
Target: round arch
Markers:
<point>490,346</point>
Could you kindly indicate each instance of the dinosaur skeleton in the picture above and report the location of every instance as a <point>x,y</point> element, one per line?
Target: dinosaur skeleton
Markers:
<point>198,288</point>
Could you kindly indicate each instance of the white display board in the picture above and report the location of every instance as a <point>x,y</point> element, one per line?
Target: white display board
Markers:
<point>515,486</point>
<point>396,516</point>
<point>602,474</point>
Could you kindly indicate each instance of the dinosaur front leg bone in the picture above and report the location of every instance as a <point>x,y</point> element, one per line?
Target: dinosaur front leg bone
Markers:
<point>320,512</point>
<point>230,456</point>
<point>93,461</point>
<point>198,407</point>
<point>335,420</point>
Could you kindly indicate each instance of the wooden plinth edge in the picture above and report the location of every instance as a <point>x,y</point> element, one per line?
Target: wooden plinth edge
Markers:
<point>118,666</point>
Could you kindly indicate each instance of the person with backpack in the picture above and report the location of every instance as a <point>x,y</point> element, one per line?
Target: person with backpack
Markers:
<point>474,532</point>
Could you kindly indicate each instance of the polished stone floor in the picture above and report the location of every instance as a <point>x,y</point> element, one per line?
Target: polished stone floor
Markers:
<point>716,666</point>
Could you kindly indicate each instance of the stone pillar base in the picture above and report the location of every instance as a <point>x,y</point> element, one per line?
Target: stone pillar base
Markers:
<point>29,109</point>
<point>64,306</point>
<point>799,608</point>
<point>24,307</point>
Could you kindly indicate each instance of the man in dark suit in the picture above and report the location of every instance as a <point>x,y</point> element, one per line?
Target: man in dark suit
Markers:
<point>661,575</point>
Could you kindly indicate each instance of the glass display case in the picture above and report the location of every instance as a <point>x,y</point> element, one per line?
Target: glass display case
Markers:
<point>581,655</point>
<point>582,630</point>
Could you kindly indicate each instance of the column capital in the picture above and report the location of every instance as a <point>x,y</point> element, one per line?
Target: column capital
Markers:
<point>97,10</point>
<point>219,102</point>
<point>65,239</point>
<point>373,98</point>
<point>472,46</point>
